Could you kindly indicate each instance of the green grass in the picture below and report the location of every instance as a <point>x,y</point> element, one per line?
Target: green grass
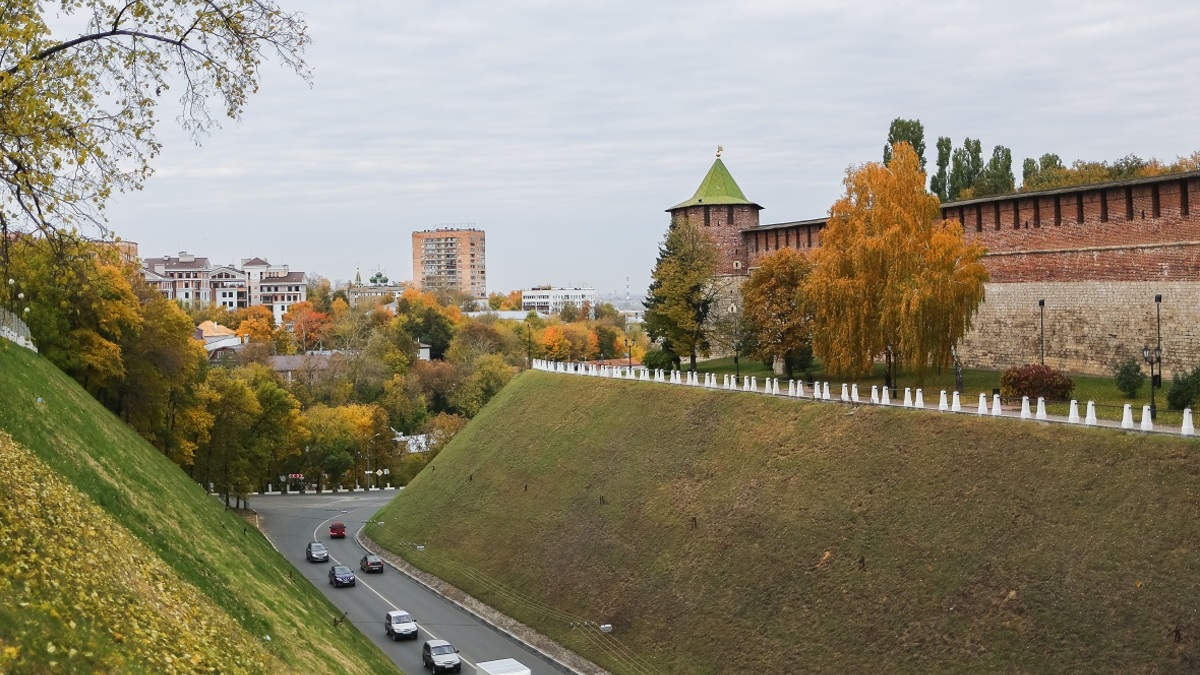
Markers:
<point>827,538</point>
<point>1103,391</point>
<point>191,533</point>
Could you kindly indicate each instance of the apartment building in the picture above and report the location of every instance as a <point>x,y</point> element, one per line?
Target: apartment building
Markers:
<point>195,281</point>
<point>550,300</point>
<point>450,258</point>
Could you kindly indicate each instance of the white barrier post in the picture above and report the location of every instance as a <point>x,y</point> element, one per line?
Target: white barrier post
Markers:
<point>1041,409</point>
<point>845,393</point>
<point>775,387</point>
<point>943,404</point>
<point>1127,417</point>
<point>1188,429</point>
<point>885,399</point>
<point>996,412</point>
<point>1090,420</point>
<point>875,394</point>
<point>800,389</point>
<point>920,402</point>
<point>982,403</point>
<point>854,393</point>
<point>1147,419</point>
<point>956,403</point>
<point>1025,412</point>
<point>1073,416</point>
<point>908,397</point>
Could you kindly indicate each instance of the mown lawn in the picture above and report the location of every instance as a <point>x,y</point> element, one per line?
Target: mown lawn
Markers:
<point>813,535</point>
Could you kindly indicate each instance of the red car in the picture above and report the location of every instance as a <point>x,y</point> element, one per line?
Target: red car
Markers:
<point>337,530</point>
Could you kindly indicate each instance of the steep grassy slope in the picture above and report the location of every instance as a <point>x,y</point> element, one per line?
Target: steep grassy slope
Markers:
<point>187,534</point>
<point>826,538</point>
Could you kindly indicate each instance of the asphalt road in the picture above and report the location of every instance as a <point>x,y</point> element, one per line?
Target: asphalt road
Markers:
<point>291,521</point>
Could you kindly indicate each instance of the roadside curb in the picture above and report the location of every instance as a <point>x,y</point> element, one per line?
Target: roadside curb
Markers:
<point>566,660</point>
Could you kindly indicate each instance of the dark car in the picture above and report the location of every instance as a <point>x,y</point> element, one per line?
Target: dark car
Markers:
<point>371,563</point>
<point>340,575</point>
<point>337,530</point>
<point>399,625</point>
<point>316,552</point>
<point>439,655</point>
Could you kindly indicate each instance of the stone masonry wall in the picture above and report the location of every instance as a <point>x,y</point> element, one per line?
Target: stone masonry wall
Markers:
<point>724,223</point>
<point>1089,325</point>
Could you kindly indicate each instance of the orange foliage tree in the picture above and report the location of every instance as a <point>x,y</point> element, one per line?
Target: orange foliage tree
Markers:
<point>891,273</point>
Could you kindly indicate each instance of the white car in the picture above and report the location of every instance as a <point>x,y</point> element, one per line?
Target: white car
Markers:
<point>399,625</point>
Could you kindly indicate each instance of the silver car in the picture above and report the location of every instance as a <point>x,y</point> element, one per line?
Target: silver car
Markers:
<point>316,552</point>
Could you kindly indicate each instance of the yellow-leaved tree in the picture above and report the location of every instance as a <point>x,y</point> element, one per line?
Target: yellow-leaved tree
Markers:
<point>79,109</point>
<point>891,277</point>
<point>775,308</point>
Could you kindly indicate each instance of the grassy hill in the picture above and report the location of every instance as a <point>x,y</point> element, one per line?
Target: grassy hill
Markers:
<point>826,538</point>
<point>112,560</point>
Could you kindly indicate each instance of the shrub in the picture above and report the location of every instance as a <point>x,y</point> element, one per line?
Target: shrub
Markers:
<point>658,359</point>
<point>1185,389</point>
<point>1129,376</point>
<point>1034,381</point>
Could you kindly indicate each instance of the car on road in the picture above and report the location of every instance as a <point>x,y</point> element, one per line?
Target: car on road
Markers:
<point>371,563</point>
<point>399,625</point>
<point>340,575</point>
<point>316,552</point>
<point>440,656</point>
<point>337,530</point>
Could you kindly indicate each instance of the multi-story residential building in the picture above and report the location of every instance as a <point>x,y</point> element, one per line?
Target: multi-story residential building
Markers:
<point>194,281</point>
<point>549,300</point>
<point>450,258</point>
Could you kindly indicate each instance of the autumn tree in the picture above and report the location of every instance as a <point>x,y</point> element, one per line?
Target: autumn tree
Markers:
<point>905,131</point>
<point>682,293</point>
<point>309,328</point>
<point>891,274</point>
<point>80,109</point>
<point>775,306</point>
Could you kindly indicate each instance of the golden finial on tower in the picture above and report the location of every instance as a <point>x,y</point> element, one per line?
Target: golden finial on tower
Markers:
<point>719,151</point>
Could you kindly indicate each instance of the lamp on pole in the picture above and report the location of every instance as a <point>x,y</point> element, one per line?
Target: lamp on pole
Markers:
<point>1042,327</point>
<point>629,347</point>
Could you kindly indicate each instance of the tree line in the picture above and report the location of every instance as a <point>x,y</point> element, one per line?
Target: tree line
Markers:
<point>237,423</point>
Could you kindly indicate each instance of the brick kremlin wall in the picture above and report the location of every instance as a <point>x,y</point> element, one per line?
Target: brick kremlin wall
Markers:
<point>1089,325</point>
<point>724,223</point>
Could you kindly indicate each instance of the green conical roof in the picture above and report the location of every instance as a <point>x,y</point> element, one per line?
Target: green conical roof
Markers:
<point>718,187</point>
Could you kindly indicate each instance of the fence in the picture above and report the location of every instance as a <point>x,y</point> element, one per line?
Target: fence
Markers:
<point>987,406</point>
<point>13,329</point>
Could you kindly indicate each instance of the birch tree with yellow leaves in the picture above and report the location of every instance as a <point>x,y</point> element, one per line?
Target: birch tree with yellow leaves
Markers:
<point>891,276</point>
<point>78,111</point>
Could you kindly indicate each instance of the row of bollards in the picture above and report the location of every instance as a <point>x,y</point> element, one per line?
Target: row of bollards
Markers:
<point>849,393</point>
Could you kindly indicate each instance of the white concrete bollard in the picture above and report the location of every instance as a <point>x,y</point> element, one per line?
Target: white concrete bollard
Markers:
<point>825,392</point>
<point>800,389</point>
<point>791,388</point>
<point>845,393</point>
<point>754,384</point>
<point>920,400</point>
<point>1147,419</point>
<point>1127,417</point>
<point>982,404</point>
<point>886,399</point>
<point>854,393</point>
<point>1090,419</point>
<point>1025,412</point>
<point>1073,416</point>
<point>775,387</point>
<point>956,403</point>
<point>1188,429</point>
<point>996,411</point>
<point>908,397</point>
<point>943,404</point>
<point>875,394</point>
<point>1041,409</point>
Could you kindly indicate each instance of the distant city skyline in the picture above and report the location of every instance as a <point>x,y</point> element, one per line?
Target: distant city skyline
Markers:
<point>566,130</point>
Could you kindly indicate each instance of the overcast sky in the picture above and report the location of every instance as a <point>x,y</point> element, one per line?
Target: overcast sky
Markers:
<point>565,128</point>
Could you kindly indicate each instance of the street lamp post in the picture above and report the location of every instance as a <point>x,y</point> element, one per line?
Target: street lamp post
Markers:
<point>629,347</point>
<point>1153,357</point>
<point>1042,327</point>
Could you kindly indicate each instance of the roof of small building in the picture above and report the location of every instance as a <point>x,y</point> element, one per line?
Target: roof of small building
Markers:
<point>196,263</point>
<point>256,262</point>
<point>213,329</point>
<point>717,188</point>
